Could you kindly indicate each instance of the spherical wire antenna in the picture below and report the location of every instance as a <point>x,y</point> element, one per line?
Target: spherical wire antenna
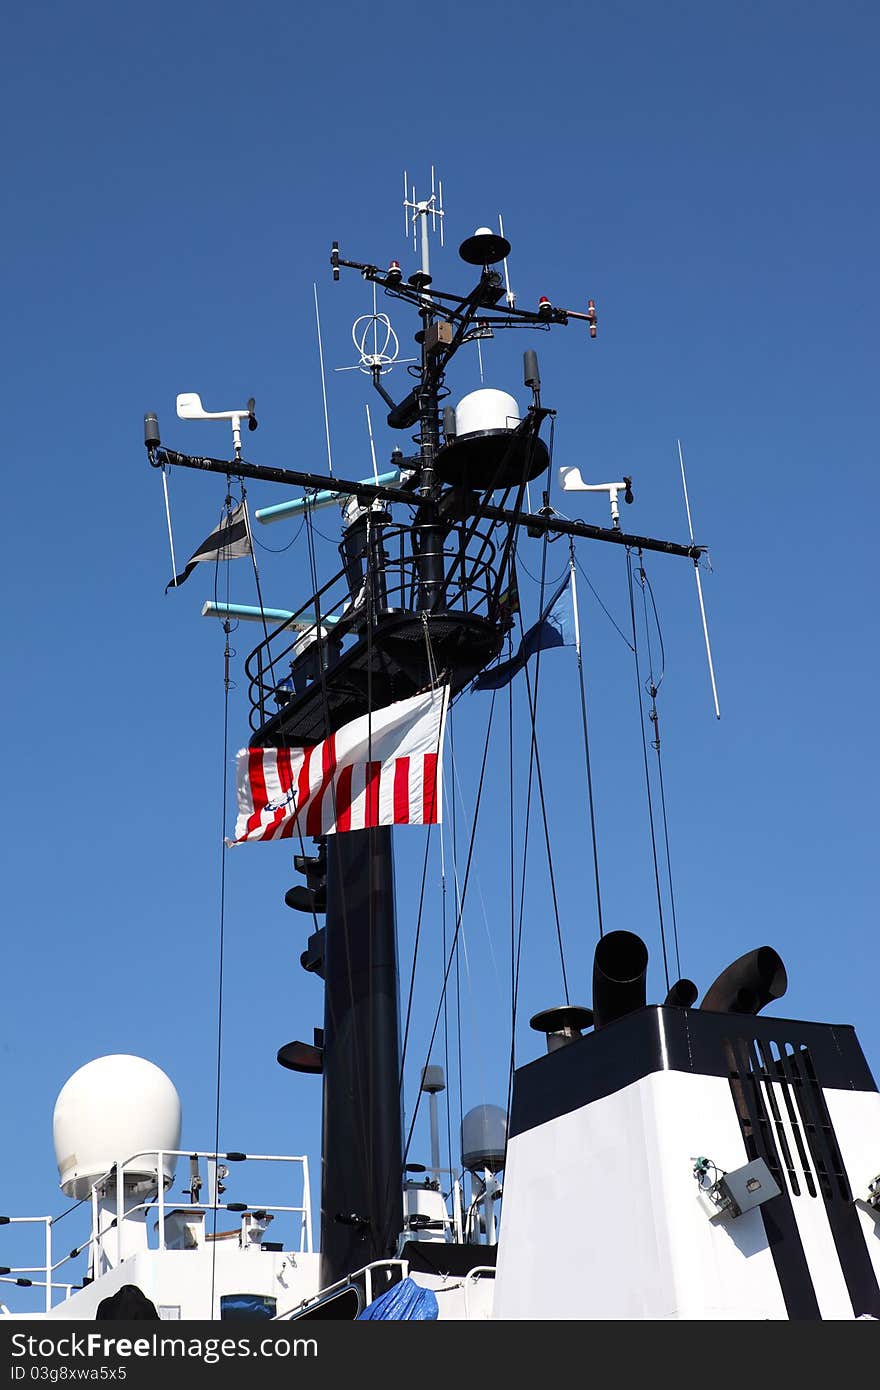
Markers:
<point>376,342</point>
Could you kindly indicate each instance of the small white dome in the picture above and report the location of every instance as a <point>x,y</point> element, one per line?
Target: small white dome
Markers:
<point>486,410</point>
<point>117,1109</point>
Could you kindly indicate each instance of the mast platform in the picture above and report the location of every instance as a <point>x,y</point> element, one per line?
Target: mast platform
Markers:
<point>389,663</point>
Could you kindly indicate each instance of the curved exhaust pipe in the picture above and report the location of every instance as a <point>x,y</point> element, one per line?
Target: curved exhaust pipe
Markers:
<point>620,965</point>
<point>682,995</point>
<point>749,983</point>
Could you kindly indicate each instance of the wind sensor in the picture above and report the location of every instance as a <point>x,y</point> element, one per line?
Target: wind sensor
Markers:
<point>189,407</point>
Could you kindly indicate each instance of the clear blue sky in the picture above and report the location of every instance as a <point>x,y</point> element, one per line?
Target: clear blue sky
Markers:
<point>174,179</point>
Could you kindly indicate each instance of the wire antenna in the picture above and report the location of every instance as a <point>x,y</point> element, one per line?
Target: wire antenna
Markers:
<point>687,507</point>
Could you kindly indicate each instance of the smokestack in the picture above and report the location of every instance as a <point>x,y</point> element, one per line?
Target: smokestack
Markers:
<point>748,984</point>
<point>619,968</point>
<point>682,995</point>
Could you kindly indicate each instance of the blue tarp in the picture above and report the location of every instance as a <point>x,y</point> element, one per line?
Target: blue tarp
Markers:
<point>247,1305</point>
<point>406,1301</point>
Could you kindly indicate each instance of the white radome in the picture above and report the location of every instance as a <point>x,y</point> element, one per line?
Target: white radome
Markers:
<point>117,1109</point>
<point>486,410</point>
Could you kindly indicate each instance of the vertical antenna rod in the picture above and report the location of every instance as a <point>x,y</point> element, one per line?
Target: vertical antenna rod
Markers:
<point>323,381</point>
<point>372,445</point>
<point>699,586</point>
<point>508,292</point>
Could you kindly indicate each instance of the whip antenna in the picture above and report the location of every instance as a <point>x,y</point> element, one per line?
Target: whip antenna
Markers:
<point>372,445</point>
<point>687,506</point>
<point>323,381</point>
<point>508,292</point>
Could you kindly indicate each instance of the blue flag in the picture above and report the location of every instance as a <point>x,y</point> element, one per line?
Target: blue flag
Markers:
<point>554,628</point>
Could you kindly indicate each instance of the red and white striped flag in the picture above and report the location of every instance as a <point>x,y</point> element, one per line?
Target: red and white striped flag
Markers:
<point>381,769</point>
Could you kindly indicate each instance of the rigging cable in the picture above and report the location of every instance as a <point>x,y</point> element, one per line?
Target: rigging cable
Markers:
<point>280,550</point>
<point>632,610</point>
<point>653,689</point>
<point>512,848</point>
<point>458,921</point>
<point>412,975</point>
<point>247,522</point>
<point>445,1020</point>
<point>580,666</point>
<point>458,911</point>
<point>434,678</point>
<point>522,895</point>
<point>533,704</point>
<point>322,673</point>
<point>228,653</point>
<point>595,593</point>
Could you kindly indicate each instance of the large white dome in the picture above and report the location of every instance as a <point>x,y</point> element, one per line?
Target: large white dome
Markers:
<point>109,1111</point>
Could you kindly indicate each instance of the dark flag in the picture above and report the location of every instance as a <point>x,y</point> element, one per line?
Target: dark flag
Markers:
<point>554,628</point>
<point>230,541</point>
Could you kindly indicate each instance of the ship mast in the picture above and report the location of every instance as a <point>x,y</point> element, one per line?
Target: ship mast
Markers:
<point>413,604</point>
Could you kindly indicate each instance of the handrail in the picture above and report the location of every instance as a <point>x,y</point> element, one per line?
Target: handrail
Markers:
<point>469,586</point>
<point>478,1272</point>
<point>341,1284</point>
<point>153,1201</point>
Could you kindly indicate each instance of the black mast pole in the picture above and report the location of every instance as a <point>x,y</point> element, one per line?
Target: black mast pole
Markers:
<point>361,1201</point>
<point>428,535</point>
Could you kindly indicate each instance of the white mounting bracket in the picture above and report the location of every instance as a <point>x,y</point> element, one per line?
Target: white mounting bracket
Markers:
<point>570,480</point>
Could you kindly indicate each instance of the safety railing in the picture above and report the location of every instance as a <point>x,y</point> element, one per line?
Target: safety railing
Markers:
<point>361,1279</point>
<point>389,582</point>
<point>109,1236</point>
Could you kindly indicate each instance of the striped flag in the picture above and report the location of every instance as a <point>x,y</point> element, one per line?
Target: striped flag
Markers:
<point>381,769</point>
<point>230,541</point>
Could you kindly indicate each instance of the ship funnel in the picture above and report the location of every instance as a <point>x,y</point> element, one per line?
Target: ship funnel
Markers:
<point>619,969</point>
<point>682,995</point>
<point>748,984</point>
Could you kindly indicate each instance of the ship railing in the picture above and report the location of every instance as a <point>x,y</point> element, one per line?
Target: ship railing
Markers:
<point>471,1279</point>
<point>360,1279</point>
<point>392,585</point>
<point>156,1203</point>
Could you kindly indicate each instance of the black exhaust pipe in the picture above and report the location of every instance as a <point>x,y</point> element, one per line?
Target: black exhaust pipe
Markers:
<point>748,984</point>
<point>620,965</point>
<point>682,995</point>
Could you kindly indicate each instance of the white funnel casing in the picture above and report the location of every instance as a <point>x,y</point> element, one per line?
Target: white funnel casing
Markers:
<point>486,411</point>
<point>115,1110</point>
<point>603,1213</point>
